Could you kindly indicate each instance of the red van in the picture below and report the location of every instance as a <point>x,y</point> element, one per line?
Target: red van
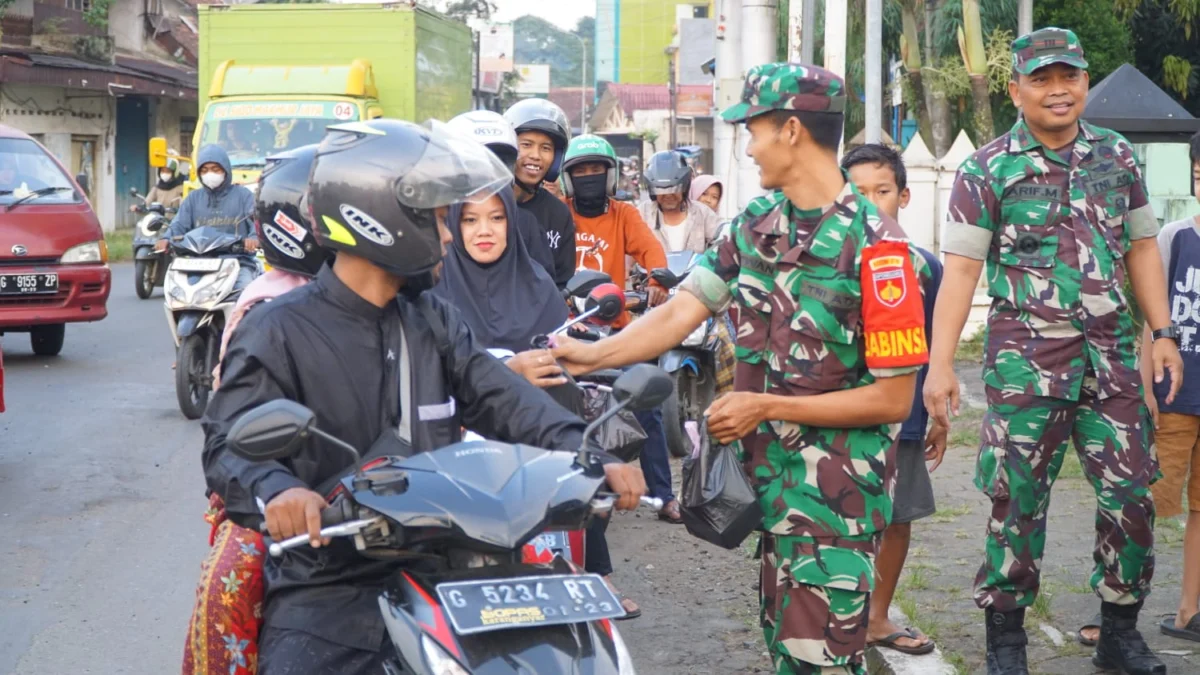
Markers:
<point>53,259</point>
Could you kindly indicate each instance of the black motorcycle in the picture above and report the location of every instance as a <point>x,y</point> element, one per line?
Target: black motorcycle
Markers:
<point>149,266</point>
<point>455,520</point>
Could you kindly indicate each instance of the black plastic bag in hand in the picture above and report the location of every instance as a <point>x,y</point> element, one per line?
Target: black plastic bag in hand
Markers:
<point>621,435</point>
<point>718,503</point>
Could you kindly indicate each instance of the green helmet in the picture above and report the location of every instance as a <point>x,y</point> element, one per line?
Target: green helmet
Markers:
<point>584,149</point>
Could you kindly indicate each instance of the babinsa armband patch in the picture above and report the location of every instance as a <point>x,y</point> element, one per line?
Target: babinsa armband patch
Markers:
<point>893,313</point>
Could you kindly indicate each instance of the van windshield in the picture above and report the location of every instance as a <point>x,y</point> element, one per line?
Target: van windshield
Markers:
<point>25,168</point>
<point>251,131</point>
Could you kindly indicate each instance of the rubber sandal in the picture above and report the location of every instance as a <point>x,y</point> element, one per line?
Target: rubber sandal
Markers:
<point>670,513</point>
<point>1094,623</point>
<point>637,611</point>
<point>889,642</point>
<point>1189,632</point>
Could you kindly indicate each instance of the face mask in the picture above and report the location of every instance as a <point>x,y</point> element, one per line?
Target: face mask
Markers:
<point>591,194</point>
<point>166,177</point>
<point>212,180</point>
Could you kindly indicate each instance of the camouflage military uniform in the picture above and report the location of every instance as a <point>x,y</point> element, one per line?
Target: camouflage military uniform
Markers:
<point>1061,359</point>
<point>826,493</point>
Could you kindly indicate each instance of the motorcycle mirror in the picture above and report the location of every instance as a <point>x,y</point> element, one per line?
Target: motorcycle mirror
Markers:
<point>608,300</point>
<point>133,191</point>
<point>273,430</point>
<point>584,281</point>
<point>643,387</point>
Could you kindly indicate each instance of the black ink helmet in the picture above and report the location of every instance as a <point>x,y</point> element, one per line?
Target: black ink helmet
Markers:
<point>281,214</point>
<point>376,185</point>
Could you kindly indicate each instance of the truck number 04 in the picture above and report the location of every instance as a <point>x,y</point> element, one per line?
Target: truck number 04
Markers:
<point>343,111</point>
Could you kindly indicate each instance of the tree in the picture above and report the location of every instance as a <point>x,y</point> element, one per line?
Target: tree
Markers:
<point>1107,39</point>
<point>910,55</point>
<point>540,42</point>
<point>1166,44</point>
<point>974,55</point>
<point>469,9</point>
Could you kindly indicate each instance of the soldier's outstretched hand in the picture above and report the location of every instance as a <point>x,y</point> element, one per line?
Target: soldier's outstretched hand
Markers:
<point>941,394</point>
<point>1167,358</point>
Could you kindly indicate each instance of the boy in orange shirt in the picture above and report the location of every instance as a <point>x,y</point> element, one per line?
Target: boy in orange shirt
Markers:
<point>606,230</point>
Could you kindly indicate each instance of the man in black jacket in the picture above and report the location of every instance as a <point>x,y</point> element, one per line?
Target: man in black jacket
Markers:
<point>384,367</point>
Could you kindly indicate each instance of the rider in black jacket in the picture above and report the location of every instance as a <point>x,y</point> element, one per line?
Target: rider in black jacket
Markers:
<point>385,367</point>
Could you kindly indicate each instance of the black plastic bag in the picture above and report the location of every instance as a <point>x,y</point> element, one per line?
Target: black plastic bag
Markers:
<point>718,502</point>
<point>621,435</point>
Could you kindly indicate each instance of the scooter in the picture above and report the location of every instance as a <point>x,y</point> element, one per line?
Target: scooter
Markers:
<point>693,365</point>
<point>200,296</point>
<point>461,601</point>
<point>150,266</point>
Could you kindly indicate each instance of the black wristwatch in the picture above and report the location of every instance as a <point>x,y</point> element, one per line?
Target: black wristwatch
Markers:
<point>1170,333</point>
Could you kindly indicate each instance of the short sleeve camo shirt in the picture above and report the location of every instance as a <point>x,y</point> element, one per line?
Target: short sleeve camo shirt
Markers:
<point>1054,232</point>
<point>800,334</point>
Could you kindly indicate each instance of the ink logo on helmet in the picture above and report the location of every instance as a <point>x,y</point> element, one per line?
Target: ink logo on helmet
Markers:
<point>288,237</point>
<point>365,225</point>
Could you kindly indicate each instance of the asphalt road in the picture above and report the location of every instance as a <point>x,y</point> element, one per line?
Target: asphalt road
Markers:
<point>102,530</point>
<point>101,498</point>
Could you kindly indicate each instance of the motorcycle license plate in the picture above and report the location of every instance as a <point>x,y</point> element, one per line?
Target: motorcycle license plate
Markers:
<point>526,602</point>
<point>28,284</point>
<point>197,264</point>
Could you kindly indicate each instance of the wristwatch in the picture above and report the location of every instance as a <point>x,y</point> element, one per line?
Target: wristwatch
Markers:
<point>1170,333</point>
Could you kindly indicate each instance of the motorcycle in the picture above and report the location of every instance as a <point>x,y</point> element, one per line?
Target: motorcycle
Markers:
<point>463,602</point>
<point>693,365</point>
<point>200,296</point>
<point>150,266</point>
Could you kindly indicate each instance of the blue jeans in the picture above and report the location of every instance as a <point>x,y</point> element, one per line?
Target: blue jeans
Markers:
<point>656,463</point>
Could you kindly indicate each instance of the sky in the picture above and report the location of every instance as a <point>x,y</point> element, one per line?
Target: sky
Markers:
<point>563,13</point>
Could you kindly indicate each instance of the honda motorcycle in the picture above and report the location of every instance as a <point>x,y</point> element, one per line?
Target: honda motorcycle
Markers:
<point>461,600</point>
<point>200,296</point>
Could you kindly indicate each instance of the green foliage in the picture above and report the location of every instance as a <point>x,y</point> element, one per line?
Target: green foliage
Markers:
<point>1166,45</point>
<point>1178,74</point>
<point>1106,37</point>
<point>993,14</point>
<point>97,14</point>
<point>541,42</point>
<point>466,9</point>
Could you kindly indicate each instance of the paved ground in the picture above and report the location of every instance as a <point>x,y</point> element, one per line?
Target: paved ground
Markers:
<point>101,499</point>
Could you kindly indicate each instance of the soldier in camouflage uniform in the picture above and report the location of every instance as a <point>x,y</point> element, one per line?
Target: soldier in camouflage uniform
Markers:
<point>829,341</point>
<point>1058,210</point>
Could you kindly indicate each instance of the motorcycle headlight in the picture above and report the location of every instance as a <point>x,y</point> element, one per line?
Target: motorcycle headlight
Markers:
<point>438,661</point>
<point>91,252</point>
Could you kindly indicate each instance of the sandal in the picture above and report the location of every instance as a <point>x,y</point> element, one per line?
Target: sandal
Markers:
<point>629,613</point>
<point>1189,632</point>
<point>1094,623</point>
<point>889,642</point>
<point>670,513</point>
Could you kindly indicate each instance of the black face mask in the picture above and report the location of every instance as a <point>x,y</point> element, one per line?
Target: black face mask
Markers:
<point>591,194</point>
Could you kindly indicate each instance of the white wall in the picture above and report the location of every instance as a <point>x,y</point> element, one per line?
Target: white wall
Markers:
<point>126,25</point>
<point>58,115</point>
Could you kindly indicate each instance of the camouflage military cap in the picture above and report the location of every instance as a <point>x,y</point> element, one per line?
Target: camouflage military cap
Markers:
<point>788,86</point>
<point>1045,46</point>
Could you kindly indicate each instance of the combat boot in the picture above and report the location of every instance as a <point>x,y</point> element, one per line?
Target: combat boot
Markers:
<point>1006,642</point>
<point>1121,647</point>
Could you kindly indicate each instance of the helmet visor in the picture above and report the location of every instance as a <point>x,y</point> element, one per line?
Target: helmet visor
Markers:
<point>672,190</point>
<point>454,168</point>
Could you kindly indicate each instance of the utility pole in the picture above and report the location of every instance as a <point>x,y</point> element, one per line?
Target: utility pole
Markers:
<point>872,71</point>
<point>759,28</point>
<point>807,41</point>
<point>835,44</point>
<point>672,93</point>
<point>1024,17</point>
<point>728,83</point>
<point>796,27</point>
<point>582,84</point>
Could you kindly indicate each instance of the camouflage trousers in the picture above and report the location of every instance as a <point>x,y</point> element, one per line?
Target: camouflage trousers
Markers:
<point>810,626</point>
<point>1023,444</point>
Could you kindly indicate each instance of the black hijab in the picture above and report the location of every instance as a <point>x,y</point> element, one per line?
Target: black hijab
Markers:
<point>506,302</point>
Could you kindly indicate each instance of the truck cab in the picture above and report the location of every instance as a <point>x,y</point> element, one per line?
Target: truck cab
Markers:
<point>256,111</point>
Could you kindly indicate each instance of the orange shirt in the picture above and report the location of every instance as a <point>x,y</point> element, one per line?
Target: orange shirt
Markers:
<point>602,243</point>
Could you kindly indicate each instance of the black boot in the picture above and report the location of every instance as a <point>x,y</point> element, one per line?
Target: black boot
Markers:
<point>1121,646</point>
<point>1006,642</point>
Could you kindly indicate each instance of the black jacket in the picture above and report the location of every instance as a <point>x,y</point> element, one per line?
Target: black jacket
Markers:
<point>554,216</point>
<point>326,347</point>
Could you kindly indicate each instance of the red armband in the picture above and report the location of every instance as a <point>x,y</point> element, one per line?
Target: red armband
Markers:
<point>893,312</point>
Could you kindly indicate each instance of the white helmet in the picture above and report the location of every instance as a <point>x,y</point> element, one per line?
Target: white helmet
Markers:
<point>490,129</point>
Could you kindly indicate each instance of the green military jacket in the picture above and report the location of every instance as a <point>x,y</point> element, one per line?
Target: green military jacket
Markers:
<point>800,333</point>
<point>1054,232</point>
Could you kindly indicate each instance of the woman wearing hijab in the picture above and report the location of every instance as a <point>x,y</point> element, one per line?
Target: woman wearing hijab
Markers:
<point>507,299</point>
<point>168,191</point>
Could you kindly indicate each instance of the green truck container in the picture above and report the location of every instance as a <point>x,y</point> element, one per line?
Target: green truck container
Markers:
<point>273,76</point>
